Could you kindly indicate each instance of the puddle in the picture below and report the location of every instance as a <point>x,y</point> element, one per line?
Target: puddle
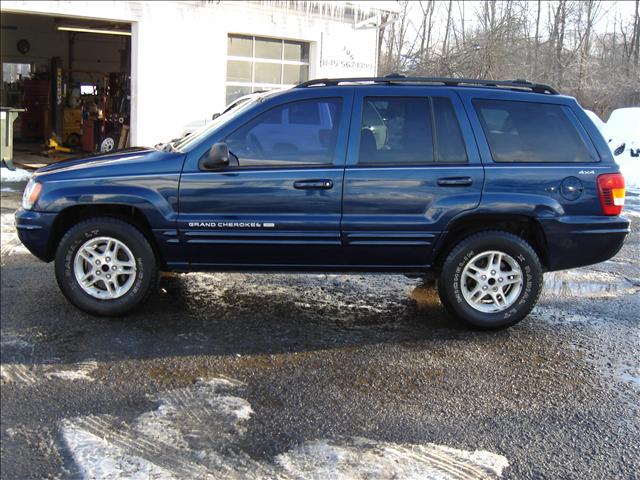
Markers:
<point>632,378</point>
<point>591,284</point>
<point>426,295</point>
<point>557,316</point>
<point>621,365</point>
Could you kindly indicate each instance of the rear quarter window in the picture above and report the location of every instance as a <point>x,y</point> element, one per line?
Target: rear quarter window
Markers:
<point>531,132</point>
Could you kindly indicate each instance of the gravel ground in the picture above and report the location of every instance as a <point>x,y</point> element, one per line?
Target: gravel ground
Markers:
<point>319,376</point>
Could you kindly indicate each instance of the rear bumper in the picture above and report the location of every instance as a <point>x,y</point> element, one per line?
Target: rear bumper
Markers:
<point>34,231</point>
<point>579,241</point>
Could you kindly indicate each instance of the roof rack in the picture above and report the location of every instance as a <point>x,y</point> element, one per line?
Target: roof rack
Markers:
<point>522,85</point>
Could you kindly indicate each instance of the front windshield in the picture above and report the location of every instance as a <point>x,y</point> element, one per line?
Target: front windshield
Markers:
<point>189,140</point>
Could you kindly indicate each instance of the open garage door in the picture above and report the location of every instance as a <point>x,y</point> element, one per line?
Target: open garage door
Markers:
<point>73,77</point>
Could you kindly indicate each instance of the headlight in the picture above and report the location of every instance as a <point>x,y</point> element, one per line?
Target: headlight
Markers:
<point>31,194</point>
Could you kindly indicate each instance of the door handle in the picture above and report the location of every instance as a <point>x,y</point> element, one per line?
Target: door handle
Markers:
<point>325,184</point>
<point>455,181</point>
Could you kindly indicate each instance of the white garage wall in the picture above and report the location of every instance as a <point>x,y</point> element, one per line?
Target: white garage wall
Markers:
<point>181,56</point>
<point>179,51</point>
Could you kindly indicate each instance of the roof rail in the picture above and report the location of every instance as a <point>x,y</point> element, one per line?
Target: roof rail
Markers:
<point>522,85</point>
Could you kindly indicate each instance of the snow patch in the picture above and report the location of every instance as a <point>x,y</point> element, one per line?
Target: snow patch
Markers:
<point>98,458</point>
<point>17,373</point>
<point>623,127</point>
<point>359,458</point>
<point>32,374</point>
<point>597,121</point>
<point>630,168</point>
<point>374,295</point>
<point>9,242</point>
<point>197,432</point>
<point>81,373</point>
<point>17,175</point>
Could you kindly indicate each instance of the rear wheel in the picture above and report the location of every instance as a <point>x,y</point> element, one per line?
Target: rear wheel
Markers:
<point>105,266</point>
<point>491,280</point>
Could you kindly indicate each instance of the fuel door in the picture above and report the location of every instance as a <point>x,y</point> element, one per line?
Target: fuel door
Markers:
<point>571,188</point>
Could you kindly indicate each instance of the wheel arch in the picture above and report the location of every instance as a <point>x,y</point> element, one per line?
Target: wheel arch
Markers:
<point>127,213</point>
<point>523,226</point>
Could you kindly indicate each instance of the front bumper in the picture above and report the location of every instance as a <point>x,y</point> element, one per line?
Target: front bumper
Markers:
<point>34,231</point>
<point>576,241</point>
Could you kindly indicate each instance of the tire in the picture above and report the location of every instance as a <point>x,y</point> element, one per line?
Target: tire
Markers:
<point>109,144</point>
<point>138,282</point>
<point>73,140</point>
<point>456,284</point>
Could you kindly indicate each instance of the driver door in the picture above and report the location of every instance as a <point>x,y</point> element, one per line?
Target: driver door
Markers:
<point>279,205</point>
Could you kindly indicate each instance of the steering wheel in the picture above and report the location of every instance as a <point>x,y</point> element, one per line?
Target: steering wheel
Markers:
<point>254,145</point>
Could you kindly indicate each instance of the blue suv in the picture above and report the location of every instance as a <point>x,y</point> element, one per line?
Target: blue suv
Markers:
<point>481,184</point>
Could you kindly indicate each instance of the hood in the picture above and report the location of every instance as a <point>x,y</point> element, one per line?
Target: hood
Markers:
<point>132,161</point>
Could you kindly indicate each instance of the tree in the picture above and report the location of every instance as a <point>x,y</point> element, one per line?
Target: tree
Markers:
<point>552,42</point>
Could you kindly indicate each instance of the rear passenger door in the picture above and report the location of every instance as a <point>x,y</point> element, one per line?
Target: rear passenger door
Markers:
<point>412,166</point>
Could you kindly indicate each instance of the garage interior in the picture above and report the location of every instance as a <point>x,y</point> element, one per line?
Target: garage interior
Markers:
<point>72,77</point>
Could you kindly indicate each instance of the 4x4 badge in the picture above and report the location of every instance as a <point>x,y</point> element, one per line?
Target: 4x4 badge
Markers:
<point>587,172</point>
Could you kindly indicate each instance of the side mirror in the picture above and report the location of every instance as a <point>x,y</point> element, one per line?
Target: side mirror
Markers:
<point>217,157</point>
<point>214,116</point>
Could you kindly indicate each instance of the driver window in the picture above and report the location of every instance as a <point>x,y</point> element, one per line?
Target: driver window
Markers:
<point>295,134</point>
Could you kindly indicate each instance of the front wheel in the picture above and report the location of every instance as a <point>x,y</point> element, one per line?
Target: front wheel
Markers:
<point>105,266</point>
<point>491,280</point>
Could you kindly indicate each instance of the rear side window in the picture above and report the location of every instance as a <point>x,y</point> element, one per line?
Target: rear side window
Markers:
<point>396,130</point>
<point>409,131</point>
<point>530,132</point>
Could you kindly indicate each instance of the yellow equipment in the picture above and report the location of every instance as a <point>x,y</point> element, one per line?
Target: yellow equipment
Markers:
<point>54,146</point>
<point>72,127</point>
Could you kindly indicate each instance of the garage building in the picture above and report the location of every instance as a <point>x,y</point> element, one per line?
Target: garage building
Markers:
<point>107,74</point>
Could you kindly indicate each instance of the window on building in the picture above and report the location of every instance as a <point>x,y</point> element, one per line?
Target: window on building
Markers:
<point>530,132</point>
<point>256,63</point>
<point>88,90</point>
<point>295,134</point>
<point>12,72</point>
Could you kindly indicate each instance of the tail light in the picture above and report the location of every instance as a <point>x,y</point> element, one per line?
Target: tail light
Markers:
<point>611,192</point>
